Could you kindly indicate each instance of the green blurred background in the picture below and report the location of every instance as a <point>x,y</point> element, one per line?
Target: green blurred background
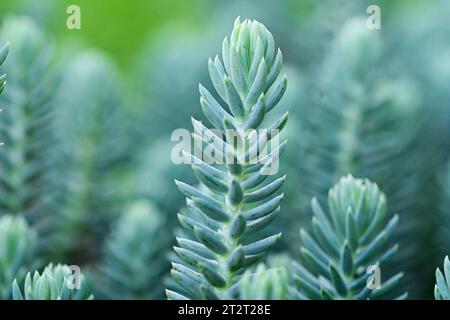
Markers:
<point>121,27</point>
<point>118,27</point>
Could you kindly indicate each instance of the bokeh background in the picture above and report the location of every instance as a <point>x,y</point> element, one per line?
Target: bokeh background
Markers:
<point>117,88</point>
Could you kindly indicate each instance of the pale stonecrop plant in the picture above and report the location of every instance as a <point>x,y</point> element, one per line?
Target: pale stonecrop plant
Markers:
<point>346,243</point>
<point>89,127</point>
<point>226,213</point>
<point>267,281</point>
<point>361,122</point>
<point>54,283</point>
<point>365,123</point>
<point>26,123</point>
<point>442,236</point>
<point>134,263</point>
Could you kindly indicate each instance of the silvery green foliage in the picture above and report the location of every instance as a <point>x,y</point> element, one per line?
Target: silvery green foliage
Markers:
<point>281,20</point>
<point>267,281</point>
<point>442,287</point>
<point>216,250</point>
<point>17,248</point>
<point>26,123</point>
<point>135,254</point>
<point>90,129</point>
<point>3,54</point>
<point>366,123</point>
<point>54,283</point>
<point>345,240</point>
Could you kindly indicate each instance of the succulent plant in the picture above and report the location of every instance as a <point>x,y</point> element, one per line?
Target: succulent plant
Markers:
<point>232,205</point>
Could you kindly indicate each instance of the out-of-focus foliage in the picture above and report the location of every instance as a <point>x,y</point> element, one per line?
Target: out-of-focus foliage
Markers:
<point>425,63</point>
<point>154,167</point>
<point>232,203</point>
<point>364,120</point>
<point>131,250</point>
<point>17,249</point>
<point>103,24</point>
<point>168,55</point>
<point>93,149</point>
<point>54,283</point>
<point>359,122</point>
<point>26,122</point>
<point>84,139</point>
